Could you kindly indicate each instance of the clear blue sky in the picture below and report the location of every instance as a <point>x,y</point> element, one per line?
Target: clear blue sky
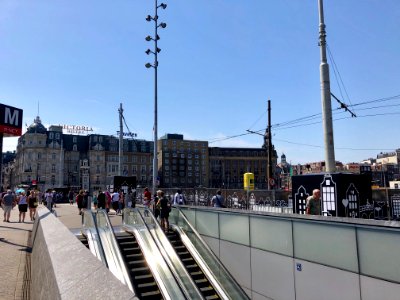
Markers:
<point>220,62</point>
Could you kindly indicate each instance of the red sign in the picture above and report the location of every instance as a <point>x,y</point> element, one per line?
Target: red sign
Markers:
<point>34,182</point>
<point>8,130</point>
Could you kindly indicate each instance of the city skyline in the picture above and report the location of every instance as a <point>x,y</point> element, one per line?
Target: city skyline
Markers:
<point>219,64</point>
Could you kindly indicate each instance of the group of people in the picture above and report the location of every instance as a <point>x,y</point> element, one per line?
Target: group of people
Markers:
<point>100,199</point>
<point>24,201</point>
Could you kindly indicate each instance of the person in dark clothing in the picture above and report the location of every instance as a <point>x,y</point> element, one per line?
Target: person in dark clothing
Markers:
<point>165,208</point>
<point>101,200</point>
<point>79,201</point>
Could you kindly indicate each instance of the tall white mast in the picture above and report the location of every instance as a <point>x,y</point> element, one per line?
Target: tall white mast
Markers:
<point>330,164</point>
<point>121,134</point>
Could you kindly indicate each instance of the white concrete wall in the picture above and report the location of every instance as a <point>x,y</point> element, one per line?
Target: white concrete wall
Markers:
<point>63,268</point>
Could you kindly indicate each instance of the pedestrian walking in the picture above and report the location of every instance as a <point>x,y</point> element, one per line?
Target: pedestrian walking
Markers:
<point>165,208</point>
<point>71,197</point>
<point>22,206</point>
<point>32,203</point>
<point>49,197</point>
<point>313,204</point>
<point>79,201</point>
<point>101,199</point>
<point>179,198</point>
<point>218,200</point>
<point>8,202</point>
<point>114,201</point>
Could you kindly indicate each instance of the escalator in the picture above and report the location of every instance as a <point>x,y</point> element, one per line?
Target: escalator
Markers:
<point>137,261</point>
<point>84,240</point>
<point>89,236</point>
<point>203,284</point>
<point>142,279</point>
<point>210,275</point>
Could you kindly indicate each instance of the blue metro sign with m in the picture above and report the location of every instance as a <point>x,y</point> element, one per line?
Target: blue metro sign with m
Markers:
<point>10,120</point>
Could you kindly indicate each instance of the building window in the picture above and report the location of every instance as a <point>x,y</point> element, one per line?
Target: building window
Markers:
<point>97,169</point>
<point>74,139</point>
<point>57,136</point>
<point>74,148</point>
<point>51,135</point>
<point>134,169</point>
<point>166,161</point>
<point>39,155</point>
<point>38,167</point>
<point>53,179</point>
<point>53,167</point>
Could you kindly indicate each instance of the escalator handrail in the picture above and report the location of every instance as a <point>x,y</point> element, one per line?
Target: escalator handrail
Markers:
<point>171,257</point>
<point>141,241</point>
<point>89,215</point>
<point>126,279</point>
<point>215,259</point>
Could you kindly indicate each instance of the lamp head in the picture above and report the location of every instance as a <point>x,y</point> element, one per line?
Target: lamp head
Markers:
<point>148,18</point>
<point>163,25</point>
<point>163,5</point>
<point>148,51</point>
<point>158,50</point>
<point>148,65</point>
<point>148,38</point>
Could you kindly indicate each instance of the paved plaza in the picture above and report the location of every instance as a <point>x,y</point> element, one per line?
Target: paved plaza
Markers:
<point>15,250</point>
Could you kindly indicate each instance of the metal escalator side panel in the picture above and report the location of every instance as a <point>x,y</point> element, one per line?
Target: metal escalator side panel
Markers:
<point>116,263</point>
<point>201,263</point>
<point>221,279</point>
<point>89,229</point>
<point>175,264</point>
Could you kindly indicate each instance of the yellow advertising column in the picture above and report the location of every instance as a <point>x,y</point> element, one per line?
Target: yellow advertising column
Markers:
<point>248,184</point>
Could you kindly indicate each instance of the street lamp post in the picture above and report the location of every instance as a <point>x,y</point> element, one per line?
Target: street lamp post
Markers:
<point>155,66</point>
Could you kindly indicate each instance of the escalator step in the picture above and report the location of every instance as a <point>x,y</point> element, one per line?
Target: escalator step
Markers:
<point>134,263</point>
<point>196,273</point>
<point>140,269</point>
<point>131,249</point>
<point>187,259</point>
<point>203,280</point>
<point>151,295</point>
<point>147,285</point>
<point>134,256</point>
<point>215,296</point>
<point>195,266</point>
<point>128,245</point>
<point>142,277</point>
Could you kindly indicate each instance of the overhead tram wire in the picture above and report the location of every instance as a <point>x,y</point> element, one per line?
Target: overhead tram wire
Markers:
<point>340,148</point>
<point>338,76</point>
<point>291,124</point>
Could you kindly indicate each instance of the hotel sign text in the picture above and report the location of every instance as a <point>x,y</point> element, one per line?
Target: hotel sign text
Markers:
<point>76,129</point>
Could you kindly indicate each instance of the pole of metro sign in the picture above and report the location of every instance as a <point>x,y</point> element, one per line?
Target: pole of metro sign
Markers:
<point>10,125</point>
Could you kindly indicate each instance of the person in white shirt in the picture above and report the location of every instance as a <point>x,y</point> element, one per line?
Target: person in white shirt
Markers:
<point>179,198</point>
<point>114,201</point>
<point>48,196</point>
